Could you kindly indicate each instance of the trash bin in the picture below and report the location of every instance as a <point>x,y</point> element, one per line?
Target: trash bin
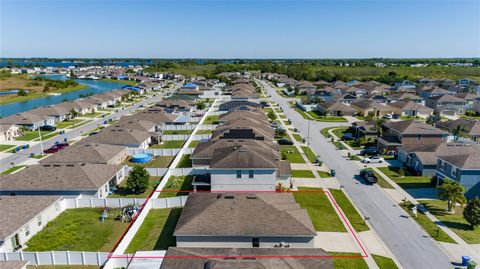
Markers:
<point>465,260</point>
<point>471,264</point>
<point>65,140</point>
<point>332,173</point>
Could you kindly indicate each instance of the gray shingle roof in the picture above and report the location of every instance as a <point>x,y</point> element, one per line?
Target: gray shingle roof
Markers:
<point>211,214</point>
<point>414,127</point>
<point>85,153</point>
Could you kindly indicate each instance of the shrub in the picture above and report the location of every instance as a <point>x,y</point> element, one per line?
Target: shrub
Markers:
<point>138,180</point>
<point>472,212</point>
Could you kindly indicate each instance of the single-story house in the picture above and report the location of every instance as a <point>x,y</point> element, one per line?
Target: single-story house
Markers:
<point>9,131</point>
<point>29,120</point>
<point>336,109</point>
<point>411,109</point>
<point>89,153</point>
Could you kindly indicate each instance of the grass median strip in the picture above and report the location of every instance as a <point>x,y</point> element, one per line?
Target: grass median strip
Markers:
<point>384,262</point>
<point>381,181</point>
<point>350,211</point>
<point>348,262</point>
<point>312,157</point>
<point>320,210</point>
<point>303,174</point>
<point>13,169</point>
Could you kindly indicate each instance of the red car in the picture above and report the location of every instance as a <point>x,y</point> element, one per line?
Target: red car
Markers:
<point>56,148</point>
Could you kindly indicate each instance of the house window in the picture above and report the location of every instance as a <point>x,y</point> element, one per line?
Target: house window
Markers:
<point>239,173</point>
<point>27,230</point>
<point>39,220</point>
<point>255,242</point>
<point>454,171</point>
<point>250,174</point>
<point>419,137</point>
<point>442,165</point>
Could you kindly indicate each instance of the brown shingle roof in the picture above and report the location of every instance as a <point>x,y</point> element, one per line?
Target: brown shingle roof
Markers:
<point>414,127</point>
<point>85,153</point>
<point>211,214</point>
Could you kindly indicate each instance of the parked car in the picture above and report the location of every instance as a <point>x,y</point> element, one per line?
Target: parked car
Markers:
<point>373,159</point>
<point>285,142</point>
<point>51,150</point>
<point>388,116</point>
<point>48,128</point>
<point>369,151</point>
<point>348,136</point>
<point>369,176</point>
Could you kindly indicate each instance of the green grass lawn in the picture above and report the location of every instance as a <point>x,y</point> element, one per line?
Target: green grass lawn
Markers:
<point>93,115</point>
<point>193,143</point>
<point>303,173</point>
<point>183,183</point>
<point>37,156</point>
<point>349,210</point>
<point>384,262</point>
<point>292,154</point>
<point>199,132</point>
<point>428,225</point>
<point>339,132</point>
<point>284,136</point>
<point>354,157</point>
<point>407,182</point>
<point>30,135</point>
<point>123,192</point>
<point>324,131</point>
<point>68,123</point>
<point>156,162</point>
<point>177,132</point>
<point>454,221</point>
<point>321,212</point>
<point>79,230</point>
<point>312,157</point>
<point>348,262</point>
<point>79,124</point>
<point>156,232</point>
<point>185,162</point>
<point>213,119</point>
<point>171,144</point>
<point>297,137</point>
<point>12,169</point>
<point>6,147</point>
<point>323,174</point>
<point>381,181</point>
<point>318,117</point>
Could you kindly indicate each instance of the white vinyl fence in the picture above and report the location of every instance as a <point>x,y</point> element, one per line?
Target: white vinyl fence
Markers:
<point>155,152</point>
<point>179,127</point>
<point>185,137</point>
<point>57,257</point>
<point>121,202</point>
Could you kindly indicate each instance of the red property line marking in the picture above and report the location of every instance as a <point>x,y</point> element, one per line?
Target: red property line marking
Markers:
<point>329,195</point>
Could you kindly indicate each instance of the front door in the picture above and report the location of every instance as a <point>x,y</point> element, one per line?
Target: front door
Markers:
<point>255,242</point>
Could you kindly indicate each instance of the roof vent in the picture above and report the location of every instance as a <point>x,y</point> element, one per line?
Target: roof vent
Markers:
<point>219,196</point>
<point>252,196</point>
<point>229,196</point>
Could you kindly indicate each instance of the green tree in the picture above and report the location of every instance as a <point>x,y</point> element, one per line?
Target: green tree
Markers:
<point>472,212</point>
<point>200,105</point>
<point>22,93</point>
<point>453,192</point>
<point>46,88</point>
<point>458,131</point>
<point>432,119</point>
<point>271,115</point>
<point>74,113</point>
<point>138,180</point>
<point>378,125</point>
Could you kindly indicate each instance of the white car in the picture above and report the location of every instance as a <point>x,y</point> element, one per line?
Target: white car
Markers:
<point>373,159</point>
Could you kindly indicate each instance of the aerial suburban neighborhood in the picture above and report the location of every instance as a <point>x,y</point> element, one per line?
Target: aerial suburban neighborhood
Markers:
<point>239,134</point>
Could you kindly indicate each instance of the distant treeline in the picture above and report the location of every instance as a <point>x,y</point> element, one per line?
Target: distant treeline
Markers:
<point>51,84</point>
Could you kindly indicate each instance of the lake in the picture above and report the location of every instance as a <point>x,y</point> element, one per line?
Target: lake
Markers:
<point>94,86</point>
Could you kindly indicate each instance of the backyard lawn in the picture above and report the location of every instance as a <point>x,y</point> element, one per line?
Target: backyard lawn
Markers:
<point>349,210</point>
<point>291,153</point>
<point>213,119</point>
<point>6,147</point>
<point>312,157</point>
<point>156,162</point>
<point>156,232</point>
<point>177,132</point>
<point>185,162</point>
<point>171,144</point>
<point>348,262</point>
<point>384,262</point>
<point>407,182</point>
<point>123,192</point>
<point>303,174</point>
<point>199,132</point>
<point>12,169</point>
<point>321,212</point>
<point>79,230</point>
<point>454,221</point>
<point>429,226</point>
<point>194,143</point>
<point>183,183</point>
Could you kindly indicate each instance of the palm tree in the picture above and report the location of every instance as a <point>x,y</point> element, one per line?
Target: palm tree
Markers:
<point>74,113</point>
<point>458,131</point>
<point>432,119</point>
<point>378,125</point>
<point>453,192</point>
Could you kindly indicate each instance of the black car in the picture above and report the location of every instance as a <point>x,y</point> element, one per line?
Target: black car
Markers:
<point>285,142</point>
<point>369,151</point>
<point>48,128</point>
<point>348,136</point>
<point>369,176</point>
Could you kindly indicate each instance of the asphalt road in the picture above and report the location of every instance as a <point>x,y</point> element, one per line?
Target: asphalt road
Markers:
<point>23,155</point>
<point>408,242</point>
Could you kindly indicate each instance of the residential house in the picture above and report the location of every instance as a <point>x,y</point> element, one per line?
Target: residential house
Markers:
<point>82,106</point>
<point>225,220</point>
<point>28,120</point>
<point>91,180</point>
<point>367,129</point>
<point>471,128</point>
<point>428,92</point>
<point>237,104</point>
<point>405,85</point>
<point>468,97</point>
<point>89,153</point>
<point>58,112</point>
<point>345,98</point>
<point>463,168</point>
<point>176,105</point>
<point>336,109</point>
<point>476,105</point>
<point>304,86</point>
<point>447,105</point>
<point>409,132</point>
<point>122,137</point>
<point>406,97</point>
<point>265,258</point>
<point>9,131</point>
<point>366,108</point>
<point>411,109</point>
<point>23,217</point>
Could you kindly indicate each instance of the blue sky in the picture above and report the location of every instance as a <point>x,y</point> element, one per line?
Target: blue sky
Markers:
<point>240,29</point>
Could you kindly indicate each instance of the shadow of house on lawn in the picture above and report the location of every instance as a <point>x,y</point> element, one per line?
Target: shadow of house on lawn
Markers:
<point>166,238</point>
